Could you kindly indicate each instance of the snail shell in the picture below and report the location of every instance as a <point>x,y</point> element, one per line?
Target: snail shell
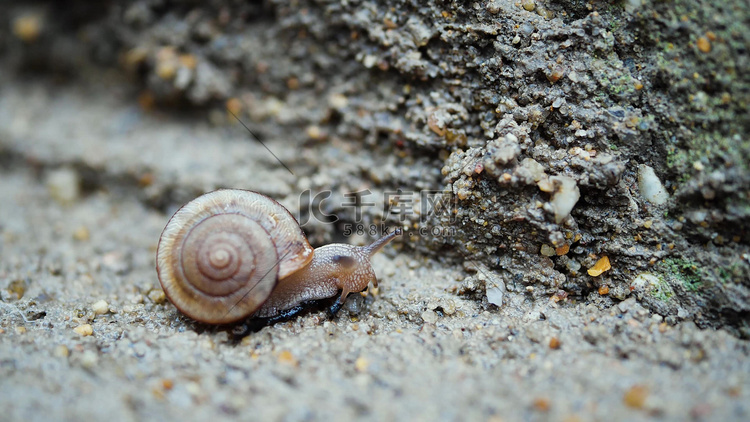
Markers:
<point>220,256</point>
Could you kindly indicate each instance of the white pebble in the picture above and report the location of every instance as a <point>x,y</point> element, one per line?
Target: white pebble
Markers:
<point>495,292</point>
<point>565,197</point>
<point>100,307</point>
<point>429,317</point>
<point>369,61</point>
<point>63,185</point>
<point>89,359</point>
<point>536,169</point>
<point>547,250</point>
<point>650,186</point>
<point>84,330</point>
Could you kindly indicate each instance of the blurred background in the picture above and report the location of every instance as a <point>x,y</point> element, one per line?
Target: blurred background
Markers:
<point>572,176</point>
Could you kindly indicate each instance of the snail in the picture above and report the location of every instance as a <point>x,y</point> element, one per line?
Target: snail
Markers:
<point>232,254</point>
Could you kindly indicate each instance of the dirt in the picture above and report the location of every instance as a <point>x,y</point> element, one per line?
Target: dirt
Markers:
<point>557,133</point>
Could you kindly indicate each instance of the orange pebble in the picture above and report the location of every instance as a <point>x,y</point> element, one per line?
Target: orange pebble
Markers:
<point>704,45</point>
<point>601,266</point>
<point>554,343</point>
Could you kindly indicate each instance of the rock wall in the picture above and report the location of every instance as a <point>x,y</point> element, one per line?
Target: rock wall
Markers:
<point>582,151</point>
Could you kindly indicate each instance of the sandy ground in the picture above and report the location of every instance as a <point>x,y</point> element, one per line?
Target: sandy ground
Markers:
<point>417,350</point>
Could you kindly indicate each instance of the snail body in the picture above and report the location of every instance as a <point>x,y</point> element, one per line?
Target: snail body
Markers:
<point>233,254</point>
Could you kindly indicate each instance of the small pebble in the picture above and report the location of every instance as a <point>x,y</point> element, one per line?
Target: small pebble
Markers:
<point>529,5</point>
<point>369,61</point>
<point>429,317</point>
<point>542,404</point>
<point>704,45</point>
<point>166,70</point>
<point>603,290</point>
<point>563,250</point>
<point>338,101</point>
<point>547,250</point>
<point>234,105</point>
<point>146,179</point>
<point>27,27</point>
<point>100,307</point>
<point>601,266</point>
<point>565,197</point>
<point>84,330</point>
<point>157,296</point>
<point>81,234</point>
<point>20,330</point>
<point>636,396</point>
<point>63,185</point>
<point>449,307</point>
<point>573,266</point>
<point>315,133</point>
<point>136,298</point>
<point>650,186</point>
<point>495,293</point>
<point>61,351</point>
<point>188,61</point>
<point>287,357</point>
<point>554,343</point>
<point>555,74</point>
<point>166,63</point>
<point>361,364</point>
<point>89,359</point>
<point>116,261</point>
<point>194,389</point>
<point>18,287</point>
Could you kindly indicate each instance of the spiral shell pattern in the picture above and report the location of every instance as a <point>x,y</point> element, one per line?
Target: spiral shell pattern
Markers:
<point>220,256</point>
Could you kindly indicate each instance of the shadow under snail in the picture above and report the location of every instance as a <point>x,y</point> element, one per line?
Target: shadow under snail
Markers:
<point>233,254</point>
